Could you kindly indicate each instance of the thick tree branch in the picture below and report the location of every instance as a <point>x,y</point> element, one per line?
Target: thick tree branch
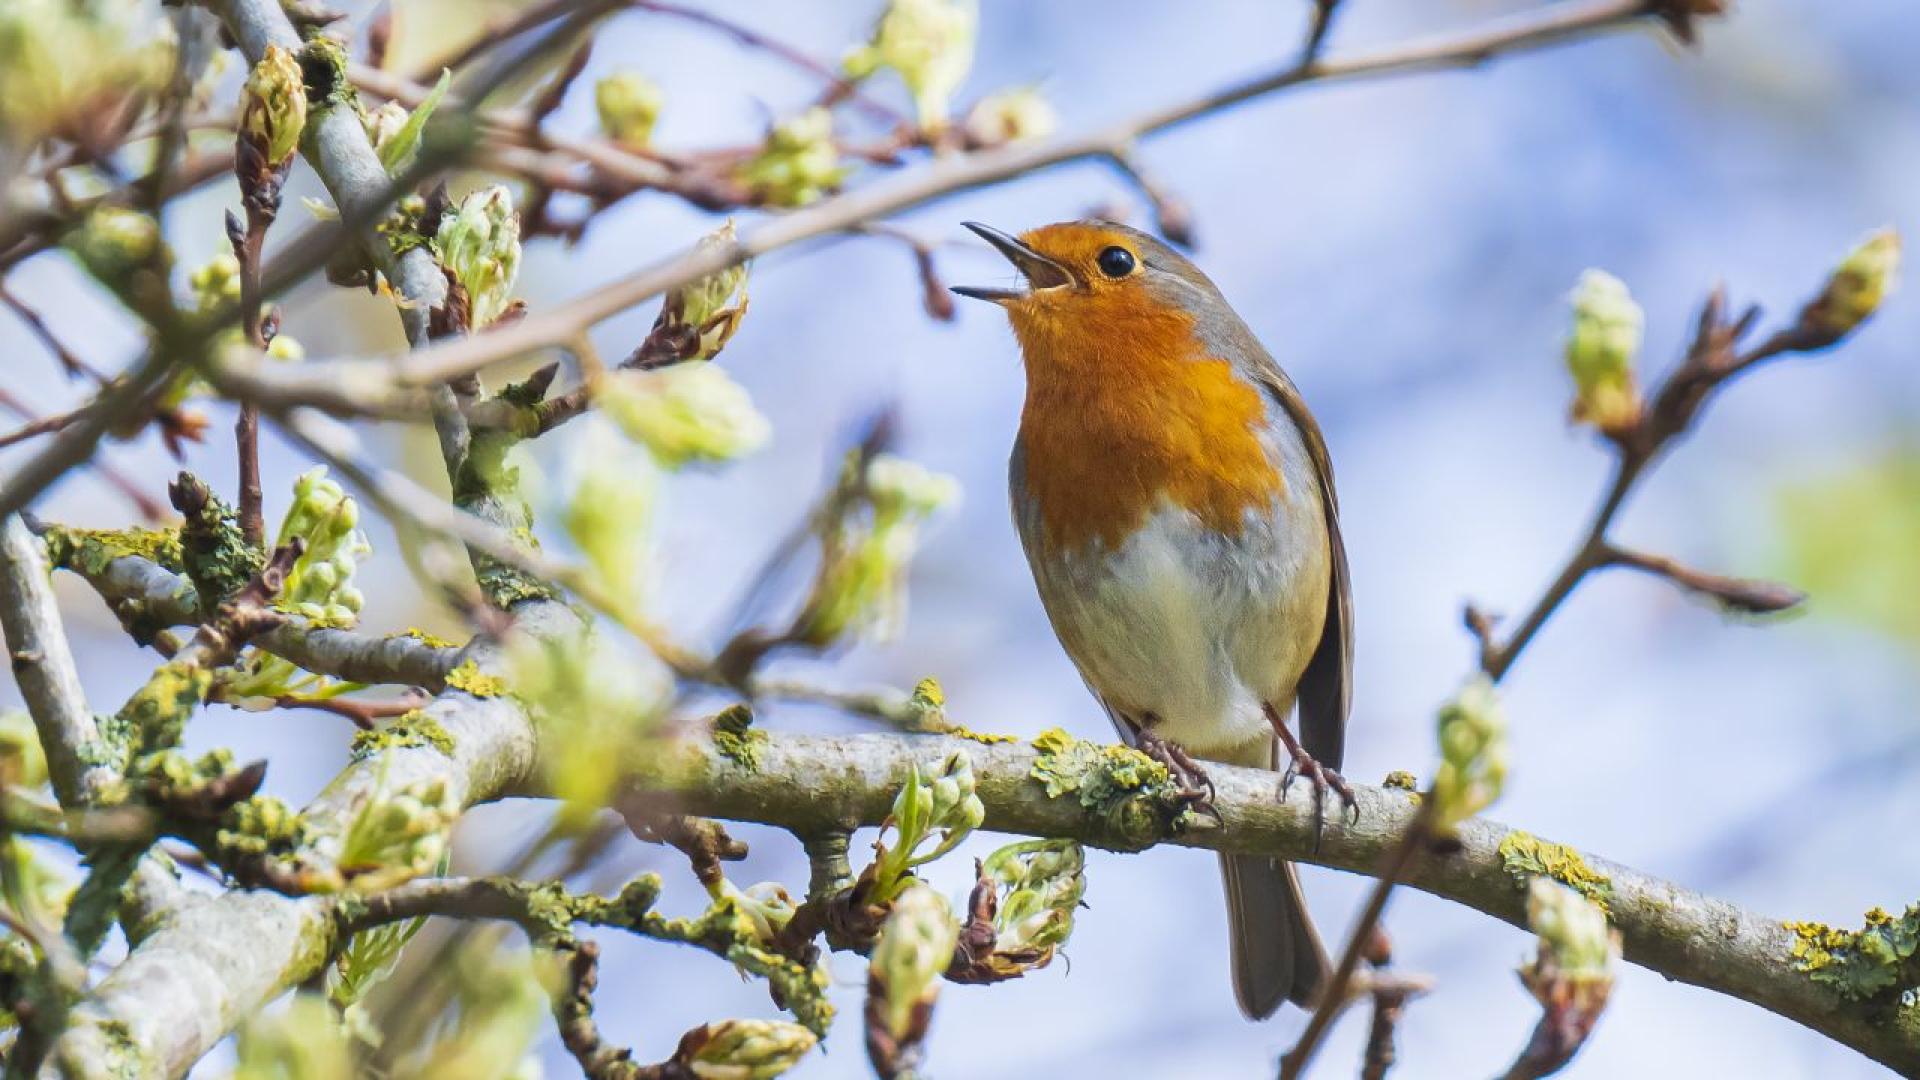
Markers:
<point>43,666</point>
<point>814,784</point>
<point>818,785</point>
<point>213,962</point>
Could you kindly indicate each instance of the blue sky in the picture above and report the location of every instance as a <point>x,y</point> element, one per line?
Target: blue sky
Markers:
<point>1404,248</point>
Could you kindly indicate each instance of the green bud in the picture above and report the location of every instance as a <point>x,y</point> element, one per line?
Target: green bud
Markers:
<point>273,105</point>
<point>302,1042</point>
<point>929,44</point>
<point>1011,116</point>
<point>915,946</point>
<point>906,489</point>
<point>629,104</point>
<point>692,412</point>
<point>944,800</point>
<point>1573,968</point>
<point>861,585</point>
<point>216,284</point>
<point>1573,928</point>
<point>1855,289</point>
<point>744,1049</point>
<point>36,894</point>
<point>78,71</point>
<point>384,123</point>
<point>609,513</point>
<point>480,244</point>
<point>799,162</point>
<point>767,906</point>
<point>395,132</point>
<point>286,347</point>
<point>23,763</point>
<point>955,807</point>
<point>1041,883</point>
<point>595,703</point>
<point>324,517</point>
<point>1601,349</point>
<point>115,239</point>
<point>1473,755</point>
<point>505,1002</point>
<point>912,808</point>
<point>398,837</point>
<point>699,319</point>
<point>368,958</point>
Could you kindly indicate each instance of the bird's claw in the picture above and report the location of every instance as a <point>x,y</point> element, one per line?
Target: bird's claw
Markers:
<point>1322,778</point>
<point>1194,788</point>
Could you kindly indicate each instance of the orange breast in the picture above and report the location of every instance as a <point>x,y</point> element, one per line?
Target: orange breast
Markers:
<point>1124,408</point>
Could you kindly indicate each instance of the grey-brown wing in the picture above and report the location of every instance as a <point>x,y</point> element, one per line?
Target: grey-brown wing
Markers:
<point>1325,693</point>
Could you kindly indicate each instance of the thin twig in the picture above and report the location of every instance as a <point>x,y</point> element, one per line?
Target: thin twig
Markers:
<point>1172,217</point>
<point>1744,595</point>
<point>402,500</point>
<point>247,243</point>
<point>1712,360</point>
<point>838,88</point>
<point>1323,12</point>
<point>76,440</point>
<point>350,386</point>
<point>35,427</point>
<point>70,361</point>
<point>1334,996</point>
<point>1390,992</point>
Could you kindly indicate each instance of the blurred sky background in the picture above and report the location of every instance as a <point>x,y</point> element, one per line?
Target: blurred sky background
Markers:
<point>1404,247</point>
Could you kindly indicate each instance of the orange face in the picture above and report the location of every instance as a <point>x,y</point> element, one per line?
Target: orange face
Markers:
<point>1125,407</point>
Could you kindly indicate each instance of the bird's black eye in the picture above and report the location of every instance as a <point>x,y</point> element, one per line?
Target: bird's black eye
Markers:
<point>1116,262</point>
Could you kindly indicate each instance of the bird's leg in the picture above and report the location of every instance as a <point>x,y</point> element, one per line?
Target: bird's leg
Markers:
<point>1304,764</point>
<point>1195,786</point>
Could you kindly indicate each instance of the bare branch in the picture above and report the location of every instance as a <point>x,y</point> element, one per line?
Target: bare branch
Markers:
<point>43,665</point>
<point>168,599</point>
<point>361,385</point>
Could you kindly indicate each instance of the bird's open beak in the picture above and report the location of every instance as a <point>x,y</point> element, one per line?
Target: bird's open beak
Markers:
<point>1040,271</point>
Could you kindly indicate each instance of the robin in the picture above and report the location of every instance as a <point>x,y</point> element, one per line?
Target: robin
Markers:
<point>1175,500</point>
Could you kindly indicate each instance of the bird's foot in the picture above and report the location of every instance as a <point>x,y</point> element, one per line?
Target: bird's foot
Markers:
<point>1195,788</point>
<point>1303,764</point>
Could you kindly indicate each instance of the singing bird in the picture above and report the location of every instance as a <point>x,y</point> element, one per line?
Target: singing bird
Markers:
<point>1175,500</point>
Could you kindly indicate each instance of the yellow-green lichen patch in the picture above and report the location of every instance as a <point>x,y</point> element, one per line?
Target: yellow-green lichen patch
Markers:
<point>1526,856</point>
<point>156,715</point>
<point>1400,780</point>
<point>413,729</point>
<point>218,559</point>
<point>506,585</point>
<point>984,738</point>
<point>120,1053</point>
<point>927,705</point>
<point>262,833</point>
<point>1863,963</point>
<point>90,551</point>
<point>1132,794</point>
<point>424,638</point>
<point>470,678</point>
<point>737,739</point>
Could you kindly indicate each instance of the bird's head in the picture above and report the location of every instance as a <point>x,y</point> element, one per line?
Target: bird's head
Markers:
<point>1095,285</point>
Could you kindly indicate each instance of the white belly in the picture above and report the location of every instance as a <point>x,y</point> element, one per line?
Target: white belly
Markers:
<point>1194,632</point>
